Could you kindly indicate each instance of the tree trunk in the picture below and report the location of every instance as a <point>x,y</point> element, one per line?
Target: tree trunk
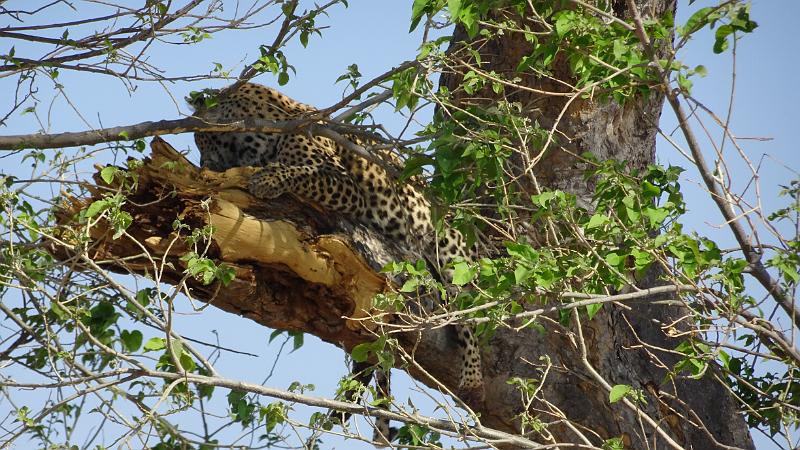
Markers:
<point>627,346</point>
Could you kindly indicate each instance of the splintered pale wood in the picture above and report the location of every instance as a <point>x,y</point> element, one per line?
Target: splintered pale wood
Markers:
<point>288,276</point>
<point>327,260</point>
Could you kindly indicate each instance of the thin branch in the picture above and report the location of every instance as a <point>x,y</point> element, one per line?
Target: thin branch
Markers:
<point>353,408</point>
<point>189,124</point>
<point>144,34</point>
<point>367,86</point>
<point>141,130</point>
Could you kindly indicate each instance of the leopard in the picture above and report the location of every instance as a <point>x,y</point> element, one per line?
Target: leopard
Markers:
<point>323,171</point>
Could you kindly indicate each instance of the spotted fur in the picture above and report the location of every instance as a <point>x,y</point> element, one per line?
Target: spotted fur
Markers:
<point>320,170</point>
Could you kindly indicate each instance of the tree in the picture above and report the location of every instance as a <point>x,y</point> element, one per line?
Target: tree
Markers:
<point>605,324</point>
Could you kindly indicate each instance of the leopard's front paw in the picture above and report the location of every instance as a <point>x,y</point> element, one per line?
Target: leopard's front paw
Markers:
<point>266,184</point>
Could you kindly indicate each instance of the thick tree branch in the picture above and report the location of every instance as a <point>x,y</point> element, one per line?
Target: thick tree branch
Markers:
<point>193,124</point>
<point>496,437</point>
<point>240,240</point>
<point>296,267</point>
<point>140,130</point>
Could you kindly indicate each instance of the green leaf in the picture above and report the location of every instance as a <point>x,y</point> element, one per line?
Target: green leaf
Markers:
<point>521,273</point>
<point>685,83</point>
<point>593,309</point>
<point>650,190</point>
<point>417,10</point>
<point>701,70</point>
<point>414,165</point>
<point>614,259</point>
<point>240,408</point>
<point>596,221</point>
<point>131,340</point>
<point>176,346</point>
<point>697,21</point>
<point>656,215</point>
<point>385,359</point>
<point>272,415</point>
<point>360,352</point>
<point>721,38</point>
<point>283,78</point>
<point>614,444</point>
<point>565,23</point>
<point>59,312</point>
<point>522,251</point>
<point>96,208</point>
<point>618,392</point>
<point>225,274</point>
<point>297,339</point>
<point>620,49</point>
<point>469,19</point>
<point>524,63</point>
<point>410,285</point>
<point>139,145</point>
<point>155,344</point>
<point>187,362</point>
<point>121,221</point>
<point>725,359</point>
<point>462,273</point>
<point>454,6</point>
<point>642,259</point>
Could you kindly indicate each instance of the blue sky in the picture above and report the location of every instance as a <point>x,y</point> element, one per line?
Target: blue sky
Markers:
<point>374,35</point>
